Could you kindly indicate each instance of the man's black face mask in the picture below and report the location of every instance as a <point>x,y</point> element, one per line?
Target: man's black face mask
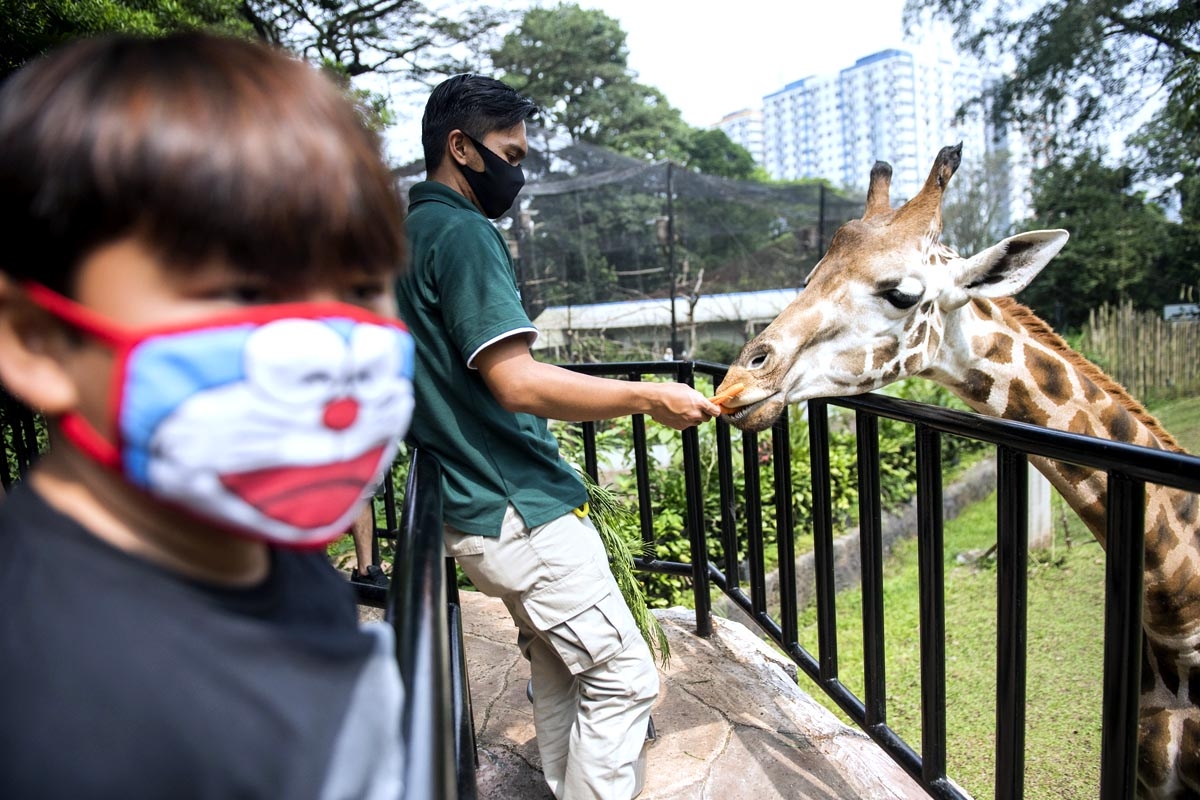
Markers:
<point>497,186</point>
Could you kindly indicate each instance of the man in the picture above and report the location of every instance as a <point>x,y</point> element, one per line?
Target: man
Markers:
<point>515,511</point>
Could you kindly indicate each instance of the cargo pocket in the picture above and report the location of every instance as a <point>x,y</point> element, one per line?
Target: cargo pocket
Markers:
<point>582,616</point>
<point>461,544</point>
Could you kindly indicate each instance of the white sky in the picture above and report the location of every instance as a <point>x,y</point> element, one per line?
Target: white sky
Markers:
<point>710,63</point>
<point>712,59</point>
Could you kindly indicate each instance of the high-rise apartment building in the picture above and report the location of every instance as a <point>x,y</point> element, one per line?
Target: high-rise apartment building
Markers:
<point>895,105</point>
<point>745,127</point>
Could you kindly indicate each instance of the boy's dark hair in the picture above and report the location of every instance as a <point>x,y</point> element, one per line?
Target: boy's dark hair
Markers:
<point>474,104</point>
<point>200,146</point>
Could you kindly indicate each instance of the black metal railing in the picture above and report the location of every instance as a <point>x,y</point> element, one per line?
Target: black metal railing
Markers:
<point>429,640</point>
<point>421,603</point>
<point>1129,469</point>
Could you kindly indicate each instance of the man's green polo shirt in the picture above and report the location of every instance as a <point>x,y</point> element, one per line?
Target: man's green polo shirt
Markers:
<point>458,296</point>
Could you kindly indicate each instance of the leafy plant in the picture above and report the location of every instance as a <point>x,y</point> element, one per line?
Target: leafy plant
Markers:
<point>617,524</point>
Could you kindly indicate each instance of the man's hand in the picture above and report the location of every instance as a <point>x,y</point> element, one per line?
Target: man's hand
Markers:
<point>679,406</point>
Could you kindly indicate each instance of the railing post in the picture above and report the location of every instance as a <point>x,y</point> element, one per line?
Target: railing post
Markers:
<point>695,527</point>
<point>1012,559</point>
<point>1123,637</point>
<point>822,513</point>
<point>417,609</point>
<point>728,502</point>
<point>694,490</point>
<point>870,536</point>
<point>785,527</point>
<point>466,756</point>
<point>931,555</point>
<point>754,528</point>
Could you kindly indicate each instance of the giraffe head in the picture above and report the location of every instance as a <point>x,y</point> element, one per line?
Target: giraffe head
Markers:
<point>876,307</point>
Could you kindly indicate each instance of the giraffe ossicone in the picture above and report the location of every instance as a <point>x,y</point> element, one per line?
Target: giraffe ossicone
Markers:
<point>888,300</point>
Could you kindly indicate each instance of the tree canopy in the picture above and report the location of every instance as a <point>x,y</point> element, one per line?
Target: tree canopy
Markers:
<point>29,29</point>
<point>1072,65</point>
<point>1119,247</point>
<point>350,38</point>
<point>574,63</point>
<point>384,37</point>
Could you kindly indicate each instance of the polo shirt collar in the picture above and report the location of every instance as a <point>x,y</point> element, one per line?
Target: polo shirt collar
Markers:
<point>433,191</point>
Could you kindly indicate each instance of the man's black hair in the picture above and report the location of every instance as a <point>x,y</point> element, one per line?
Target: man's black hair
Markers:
<point>474,104</point>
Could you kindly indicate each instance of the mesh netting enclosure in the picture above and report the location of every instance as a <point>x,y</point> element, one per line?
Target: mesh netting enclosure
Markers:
<point>594,226</point>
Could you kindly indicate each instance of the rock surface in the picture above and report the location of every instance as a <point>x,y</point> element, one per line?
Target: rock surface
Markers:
<point>730,719</point>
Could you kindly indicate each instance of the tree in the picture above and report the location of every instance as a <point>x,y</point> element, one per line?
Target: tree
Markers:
<point>974,216</point>
<point>29,29</point>
<point>573,63</point>
<point>1117,246</point>
<point>1168,153</point>
<point>714,153</point>
<point>599,242</point>
<point>348,38</point>
<point>1077,63</point>
<point>384,37</point>
<point>1168,156</point>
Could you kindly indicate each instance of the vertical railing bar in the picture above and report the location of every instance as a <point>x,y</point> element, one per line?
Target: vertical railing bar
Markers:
<point>727,499</point>
<point>932,604</point>
<point>641,471</point>
<point>822,512</point>
<point>870,527</point>
<point>1123,637</point>
<point>822,537</point>
<point>785,530</point>
<point>754,528</point>
<point>590,461</point>
<point>389,504</point>
<point>1012,557</point>
<point>694,490</point>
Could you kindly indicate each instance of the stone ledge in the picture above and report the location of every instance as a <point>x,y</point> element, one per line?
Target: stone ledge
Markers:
<point>730,719</point>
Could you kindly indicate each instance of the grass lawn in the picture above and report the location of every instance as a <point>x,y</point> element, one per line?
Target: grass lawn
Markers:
<point>1182,418</point>
<point>1065,633</point>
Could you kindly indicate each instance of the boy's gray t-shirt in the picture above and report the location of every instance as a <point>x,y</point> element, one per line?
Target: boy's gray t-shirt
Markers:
<point>121,679</point>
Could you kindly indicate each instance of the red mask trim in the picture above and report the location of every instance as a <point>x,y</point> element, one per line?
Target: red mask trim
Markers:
<point>104,329</point>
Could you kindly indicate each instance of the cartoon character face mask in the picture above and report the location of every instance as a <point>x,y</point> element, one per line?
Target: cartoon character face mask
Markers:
<point>271,421</point>
<point>498,185</point>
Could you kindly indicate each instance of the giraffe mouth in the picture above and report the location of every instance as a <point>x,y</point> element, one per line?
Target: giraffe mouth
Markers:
<point>757,416</point>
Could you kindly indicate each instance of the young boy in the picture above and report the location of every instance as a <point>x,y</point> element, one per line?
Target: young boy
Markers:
<point>199,240</point>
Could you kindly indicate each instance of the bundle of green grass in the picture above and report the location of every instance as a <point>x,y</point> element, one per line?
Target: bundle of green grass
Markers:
<point>616,523</point>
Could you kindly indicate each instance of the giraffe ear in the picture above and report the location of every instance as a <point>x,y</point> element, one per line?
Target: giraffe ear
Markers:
<point>1008,266</point>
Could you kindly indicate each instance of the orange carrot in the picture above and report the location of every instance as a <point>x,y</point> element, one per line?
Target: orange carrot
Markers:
<point>729,394</point>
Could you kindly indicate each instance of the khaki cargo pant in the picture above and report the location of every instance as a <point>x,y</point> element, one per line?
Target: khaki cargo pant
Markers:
<point>594,679</point>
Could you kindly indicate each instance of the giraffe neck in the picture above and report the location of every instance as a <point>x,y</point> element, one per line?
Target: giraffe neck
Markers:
<point>1003,361</point>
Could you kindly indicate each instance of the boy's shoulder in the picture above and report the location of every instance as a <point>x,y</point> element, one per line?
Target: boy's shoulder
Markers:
<point>49,560</point>
<point>155,666</point>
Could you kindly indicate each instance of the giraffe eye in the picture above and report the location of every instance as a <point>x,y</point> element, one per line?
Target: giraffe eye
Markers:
<point>900,299</point>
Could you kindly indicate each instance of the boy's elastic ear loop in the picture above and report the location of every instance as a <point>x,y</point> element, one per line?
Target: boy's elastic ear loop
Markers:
<point>72,320</point>
<point>31,343</point>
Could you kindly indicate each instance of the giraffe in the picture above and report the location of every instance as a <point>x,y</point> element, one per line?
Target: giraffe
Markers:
<point>887,301</point>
